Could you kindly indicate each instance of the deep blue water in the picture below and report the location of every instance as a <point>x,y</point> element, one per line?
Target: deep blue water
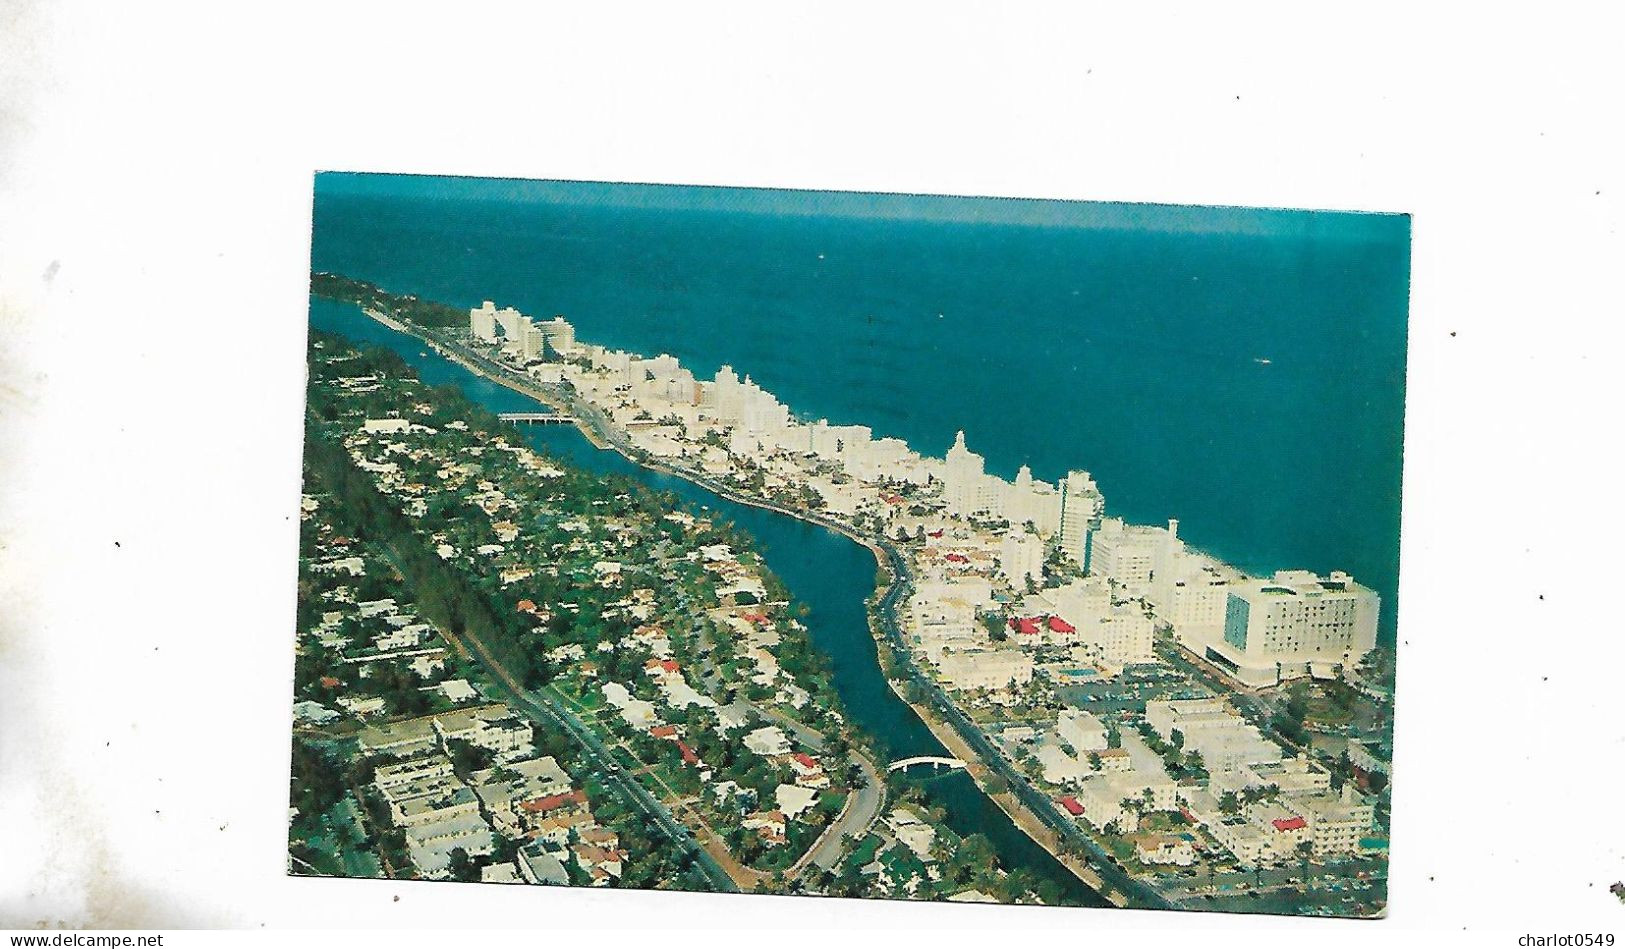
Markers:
<point>1122,339</point>
<point>828,572</point>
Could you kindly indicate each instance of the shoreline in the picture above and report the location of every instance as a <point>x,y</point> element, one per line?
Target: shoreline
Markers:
<point>1018,813</point>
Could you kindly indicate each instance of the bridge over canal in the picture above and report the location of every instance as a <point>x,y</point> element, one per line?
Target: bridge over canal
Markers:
<point>935,761</point>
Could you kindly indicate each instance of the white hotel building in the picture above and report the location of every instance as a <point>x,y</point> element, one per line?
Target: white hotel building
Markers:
<point>1081,507</point>
<point>529,339</point>
<point>966,488</point>
<point>1294,624</point>
<point>482,321</point>
<point>1126,553</point>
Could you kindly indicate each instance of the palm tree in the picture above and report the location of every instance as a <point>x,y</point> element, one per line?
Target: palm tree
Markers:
<point>1305,849</point>
<point>1136,806</point>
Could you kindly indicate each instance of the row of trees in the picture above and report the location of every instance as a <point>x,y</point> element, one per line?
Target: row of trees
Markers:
<point>443,594</point>
<point>372,296</point>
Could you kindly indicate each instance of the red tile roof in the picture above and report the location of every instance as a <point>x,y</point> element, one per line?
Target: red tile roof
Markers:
<point>1289,823</point>
<point>754,617</point>
<point>588,854</point>
<point>1058,625</point>
<point>542,805</point>
<point>956,558</point>
<point>526,606</point>
<point>1025,626</point>
<point>1071,804</point>
<point>805,760</point>
<point>689,757</point>
<point>934,534</point>
<point>664,731</point>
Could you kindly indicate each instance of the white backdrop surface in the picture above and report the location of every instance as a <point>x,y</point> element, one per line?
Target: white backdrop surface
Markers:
<point>155,189</point>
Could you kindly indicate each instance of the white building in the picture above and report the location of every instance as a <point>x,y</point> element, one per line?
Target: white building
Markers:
<point>430,844</point>
<point>967,489</point>
<point>482,321</point>
<point>985,669</point>
<point>727,396</point>
<point>1191,597</point>
<point>1296,775</point>
<point>637,713</point>
<point>559,334</point>
<point>793,799</point>
<point>1038,503</point>
<point>1124,635</point>
<point>913,833</point>
<point>1213,729</point>
<point>1103,798</point>
<point>513,323</point>
<point>1115,633</point>
<point>977,591</point>
<point>1021,557</point>
<point>943,622</point>
<point>533,341</point>
<point>1296,623</point>
<point>1084,600</point>
<point>1083,731</point>
<point>616,366</point>
<point>1168,849</point>
<point>1081,507</point>
<point>1125,553</point>
<point>1059,767</point>
<point>768,741</point>
<point>1336,822</point>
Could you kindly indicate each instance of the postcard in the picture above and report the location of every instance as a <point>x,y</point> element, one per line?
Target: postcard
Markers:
<point>854,545</point>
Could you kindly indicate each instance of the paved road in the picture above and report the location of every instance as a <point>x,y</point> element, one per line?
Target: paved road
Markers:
<point>542,709</point>
<point>1290,875</point>
<point>1137,893</point>
<point>1258,707</point>
<point>854,822</point>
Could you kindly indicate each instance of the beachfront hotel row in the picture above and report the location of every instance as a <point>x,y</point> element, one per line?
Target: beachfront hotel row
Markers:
<point>984,532</point>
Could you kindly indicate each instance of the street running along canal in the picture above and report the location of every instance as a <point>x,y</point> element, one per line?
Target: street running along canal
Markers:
<point>830,573</point>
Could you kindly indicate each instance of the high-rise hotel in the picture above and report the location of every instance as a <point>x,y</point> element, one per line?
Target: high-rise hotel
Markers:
<point>1295,623</point>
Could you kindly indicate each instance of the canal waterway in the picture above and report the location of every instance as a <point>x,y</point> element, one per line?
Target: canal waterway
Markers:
<point>828,572</point>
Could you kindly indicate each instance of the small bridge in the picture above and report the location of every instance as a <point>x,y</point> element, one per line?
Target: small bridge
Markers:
<point>536,418</point>
<point>935,761</point>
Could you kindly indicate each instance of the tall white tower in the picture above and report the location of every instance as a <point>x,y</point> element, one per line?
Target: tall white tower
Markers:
<point>1081,507</point>
<point>962,479</point>
<point>482,321</point>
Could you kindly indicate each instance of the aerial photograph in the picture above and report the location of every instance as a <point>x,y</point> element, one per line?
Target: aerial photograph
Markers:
<point>981,550</point>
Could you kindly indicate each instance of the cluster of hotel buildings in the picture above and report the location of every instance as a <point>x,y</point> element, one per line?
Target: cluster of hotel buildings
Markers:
<point>1017,579</point>
<point>1259,804</point>
<point>981,527</point>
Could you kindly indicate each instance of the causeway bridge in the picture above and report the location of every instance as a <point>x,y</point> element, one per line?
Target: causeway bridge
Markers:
<point>935,761</point>
<point>535,418</point>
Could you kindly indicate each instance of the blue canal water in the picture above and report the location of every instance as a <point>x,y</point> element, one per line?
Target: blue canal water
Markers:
<point>1240,370</point>
<point>826,571</point>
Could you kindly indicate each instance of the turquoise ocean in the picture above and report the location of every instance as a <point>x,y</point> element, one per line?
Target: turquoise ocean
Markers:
<point>1241,370</point>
